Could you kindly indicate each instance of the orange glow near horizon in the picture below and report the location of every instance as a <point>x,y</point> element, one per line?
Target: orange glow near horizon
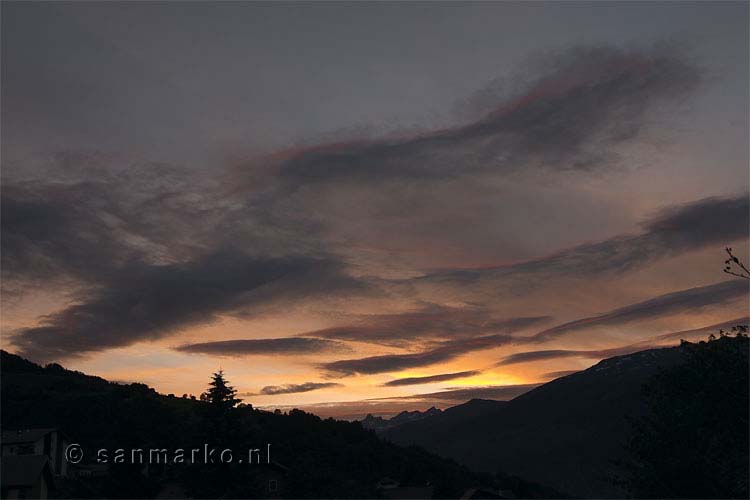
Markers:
<point>158,365</point>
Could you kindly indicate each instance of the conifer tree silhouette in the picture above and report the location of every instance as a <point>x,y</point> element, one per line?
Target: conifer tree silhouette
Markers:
<point>219,392</point>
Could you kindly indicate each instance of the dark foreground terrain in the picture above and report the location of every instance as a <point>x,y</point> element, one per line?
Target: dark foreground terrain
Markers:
<point>669,423</point>
<point>311,457</point>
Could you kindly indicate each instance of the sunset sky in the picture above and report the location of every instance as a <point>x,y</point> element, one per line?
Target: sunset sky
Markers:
<point>386,205</point>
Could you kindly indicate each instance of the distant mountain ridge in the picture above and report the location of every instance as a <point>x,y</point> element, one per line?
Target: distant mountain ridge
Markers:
<point>381,424</point>
<point>474,407</point>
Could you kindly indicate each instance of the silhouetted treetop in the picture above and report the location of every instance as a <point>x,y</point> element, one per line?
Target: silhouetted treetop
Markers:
<point>219,392</point>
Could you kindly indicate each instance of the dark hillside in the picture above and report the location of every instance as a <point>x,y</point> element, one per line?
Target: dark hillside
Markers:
<point>324,458</point>
<point>566,434</point>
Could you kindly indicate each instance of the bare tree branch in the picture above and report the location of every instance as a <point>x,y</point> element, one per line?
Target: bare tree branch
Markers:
<point>734,266</point>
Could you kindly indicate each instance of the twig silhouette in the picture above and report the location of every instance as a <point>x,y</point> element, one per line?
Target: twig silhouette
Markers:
<point>734,266</point>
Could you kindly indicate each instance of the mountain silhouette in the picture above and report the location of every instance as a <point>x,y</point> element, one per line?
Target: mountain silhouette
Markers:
<point>569,434</point>
<point>380,424</point>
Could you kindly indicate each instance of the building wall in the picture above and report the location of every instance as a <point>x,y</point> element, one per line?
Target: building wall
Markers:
<point>55,452</point>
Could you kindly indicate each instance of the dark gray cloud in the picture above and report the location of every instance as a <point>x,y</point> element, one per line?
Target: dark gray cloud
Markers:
<point>523,357</point>
<point>434,321</point>
<point>123,242</point>
<point>673,231</point>
<point>388,362</point>
<point>498,392</point>
<point>143,301</point>
<point>658,341</point>
<point>273,390</point>
<point>526,357</point>
<point>671,303</point>
<point>585,101</point>
<point>246,347</point>
<point>696,224</point>
<point>59,233</point>
<point>444,351</point>
<point>83,217</point>
<point>431,378</point>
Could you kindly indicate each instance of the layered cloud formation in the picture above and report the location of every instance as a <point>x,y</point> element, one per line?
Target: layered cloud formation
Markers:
<point>676,302</point>
<point>568,118</point>
<point>673,231</point>
<point>412,254</point>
